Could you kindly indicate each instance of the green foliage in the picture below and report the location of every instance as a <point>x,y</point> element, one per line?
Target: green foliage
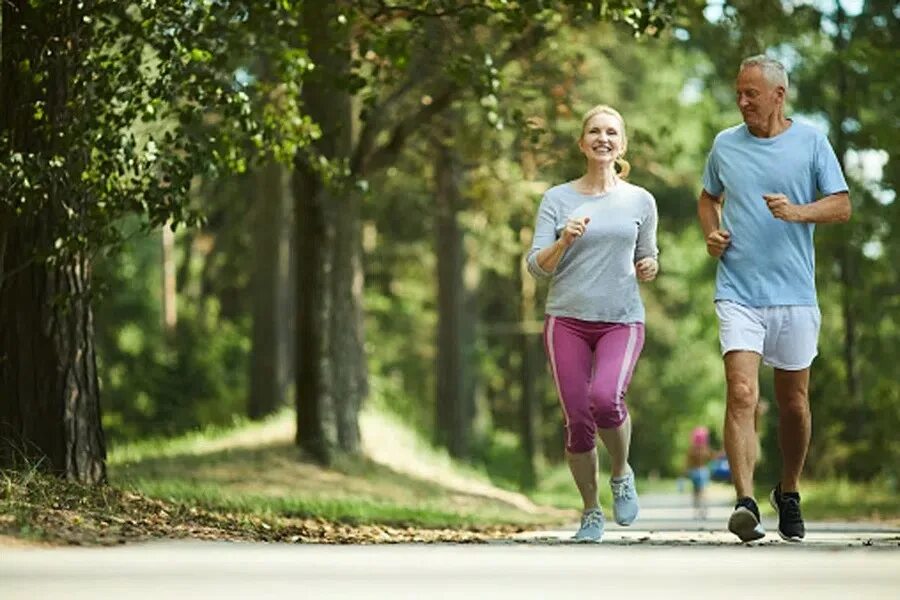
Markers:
<point>154,385</point>
<point>155,94</point>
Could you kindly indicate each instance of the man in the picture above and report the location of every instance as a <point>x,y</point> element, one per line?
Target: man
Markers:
<point>758,210</point>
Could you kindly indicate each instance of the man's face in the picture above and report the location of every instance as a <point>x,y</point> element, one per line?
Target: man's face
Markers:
<point>756,97</point>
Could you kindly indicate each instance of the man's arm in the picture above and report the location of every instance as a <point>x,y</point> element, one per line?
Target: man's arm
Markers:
<point>709,211</point>
<point>834,208</point>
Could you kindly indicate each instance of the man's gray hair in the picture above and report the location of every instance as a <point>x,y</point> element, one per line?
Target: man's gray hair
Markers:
<point>773,70</point>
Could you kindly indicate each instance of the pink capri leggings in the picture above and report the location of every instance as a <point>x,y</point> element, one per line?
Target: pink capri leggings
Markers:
<point>592,364</point>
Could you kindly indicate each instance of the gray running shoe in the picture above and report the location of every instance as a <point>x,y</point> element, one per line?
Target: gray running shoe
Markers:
<point>625,499</point>
<point>591,529</point>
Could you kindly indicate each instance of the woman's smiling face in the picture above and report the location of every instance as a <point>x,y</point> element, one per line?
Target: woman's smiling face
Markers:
<point>602,138</point>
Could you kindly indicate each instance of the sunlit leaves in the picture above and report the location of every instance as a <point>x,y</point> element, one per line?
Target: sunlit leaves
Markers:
<point>154,99</point>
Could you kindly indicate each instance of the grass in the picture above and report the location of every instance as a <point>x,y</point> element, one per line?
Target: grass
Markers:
<point>339,510</point>
<point>209,439</point>
<point>256,469</point>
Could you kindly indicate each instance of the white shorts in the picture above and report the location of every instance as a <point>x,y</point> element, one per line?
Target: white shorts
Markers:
<point>785,336</point>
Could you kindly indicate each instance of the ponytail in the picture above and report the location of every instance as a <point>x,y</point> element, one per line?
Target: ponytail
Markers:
<point>624,167</point>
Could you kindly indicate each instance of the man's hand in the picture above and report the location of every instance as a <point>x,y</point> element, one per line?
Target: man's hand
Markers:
<point>646,269</point>
<point>717,241</point>
<point>574,229</point>
<point>781,207</point>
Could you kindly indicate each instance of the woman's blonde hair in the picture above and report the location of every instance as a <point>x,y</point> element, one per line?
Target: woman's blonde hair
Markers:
<point>624,166</point>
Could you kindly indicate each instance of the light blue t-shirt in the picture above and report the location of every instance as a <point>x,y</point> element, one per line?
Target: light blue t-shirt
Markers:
<point>769,262</point>
<point>595,279</point>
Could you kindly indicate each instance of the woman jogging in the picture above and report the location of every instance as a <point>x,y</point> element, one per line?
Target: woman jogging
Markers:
<point>594,239</point>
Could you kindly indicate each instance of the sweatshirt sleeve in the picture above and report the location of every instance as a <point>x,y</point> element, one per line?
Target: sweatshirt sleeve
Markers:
<point>646,239</point>
<point>544,235</point>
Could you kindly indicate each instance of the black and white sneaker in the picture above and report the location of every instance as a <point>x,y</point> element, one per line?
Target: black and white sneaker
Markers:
<point>790,521</point>
<point>745,522</point>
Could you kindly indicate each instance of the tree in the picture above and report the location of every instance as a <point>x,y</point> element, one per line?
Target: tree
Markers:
<point>107,109</point>
<point>48,375</point>
<point>454,393</point>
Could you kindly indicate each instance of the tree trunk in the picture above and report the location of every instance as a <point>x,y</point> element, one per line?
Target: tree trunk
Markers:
<point>49,392</point>
<point>169,290</point>
<point>331,377</point>
<point>455,408</point>
<point>271,323</point>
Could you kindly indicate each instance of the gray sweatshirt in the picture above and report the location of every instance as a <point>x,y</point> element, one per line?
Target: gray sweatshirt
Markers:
<point>595,279</point>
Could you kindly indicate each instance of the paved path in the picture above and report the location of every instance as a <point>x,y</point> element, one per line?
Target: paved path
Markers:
<point>669,520</point>
<point>665,555</point>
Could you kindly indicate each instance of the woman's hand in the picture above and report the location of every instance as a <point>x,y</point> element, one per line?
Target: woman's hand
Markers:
<point>646,269</point>
<point>573,230</point>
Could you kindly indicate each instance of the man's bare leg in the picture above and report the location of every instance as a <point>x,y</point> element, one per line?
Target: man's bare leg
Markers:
<point>794,424</point>
<point>742,379</point>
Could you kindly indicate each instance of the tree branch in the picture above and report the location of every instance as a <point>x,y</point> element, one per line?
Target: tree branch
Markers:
<point>385,10</point>
<point>368,158</point>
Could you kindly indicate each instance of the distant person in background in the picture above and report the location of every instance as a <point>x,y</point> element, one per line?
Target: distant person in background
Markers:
<point>767,182</point>
<point>718,467</point>
<point>594,240</point>
<point>699,456</point>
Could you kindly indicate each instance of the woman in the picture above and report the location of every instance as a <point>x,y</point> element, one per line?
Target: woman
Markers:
<point>595,238</point>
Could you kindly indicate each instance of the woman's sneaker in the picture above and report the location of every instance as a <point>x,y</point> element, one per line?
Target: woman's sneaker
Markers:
<point>744,521</point>
<point>591,529</point>
<point>790,521</point>
<point>625,499</point>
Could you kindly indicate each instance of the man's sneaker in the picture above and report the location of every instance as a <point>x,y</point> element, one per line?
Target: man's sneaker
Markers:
<point>744,521</point>
<point>790,522</point>
<point>591,529</point>
<point>625,499</point>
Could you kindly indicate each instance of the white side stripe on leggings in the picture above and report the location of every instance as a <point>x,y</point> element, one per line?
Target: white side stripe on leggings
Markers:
<point>626,361</point>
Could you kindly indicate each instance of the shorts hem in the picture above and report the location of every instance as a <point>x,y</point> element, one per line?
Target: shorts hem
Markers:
<point>786,367</point>
<point>741,349</point>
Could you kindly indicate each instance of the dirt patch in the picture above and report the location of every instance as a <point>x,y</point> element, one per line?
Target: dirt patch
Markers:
<point>9,541</point>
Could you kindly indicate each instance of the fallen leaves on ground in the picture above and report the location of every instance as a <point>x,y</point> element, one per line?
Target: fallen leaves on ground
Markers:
<point>61,512</point>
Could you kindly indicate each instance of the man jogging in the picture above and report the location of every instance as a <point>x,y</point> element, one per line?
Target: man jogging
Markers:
<point>767,182</point>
